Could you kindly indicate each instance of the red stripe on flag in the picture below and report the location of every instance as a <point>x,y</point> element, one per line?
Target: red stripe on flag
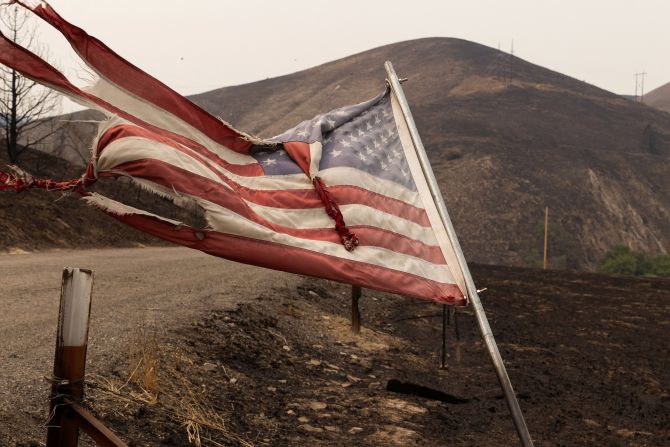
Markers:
<point>114,68</point>
<point>33,67</point>
<point>289,199</point>
<point>346,195</point>
<point>170,177</point>
<point>299,152</point>
<point>130,130</point>
<point>297,260</point>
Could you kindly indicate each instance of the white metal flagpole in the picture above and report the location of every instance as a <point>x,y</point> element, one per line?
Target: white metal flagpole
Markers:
<point>473,296</point>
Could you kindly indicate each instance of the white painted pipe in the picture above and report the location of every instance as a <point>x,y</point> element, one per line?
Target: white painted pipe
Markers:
<point>75,306</point>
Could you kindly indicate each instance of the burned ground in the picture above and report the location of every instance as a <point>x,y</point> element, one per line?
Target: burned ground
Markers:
<point>587,355</point>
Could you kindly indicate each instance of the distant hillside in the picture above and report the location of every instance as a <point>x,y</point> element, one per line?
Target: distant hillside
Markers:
<point>506,138</point>
<point>659,97</point>
<point>502,149</point>
<point>45,219</point>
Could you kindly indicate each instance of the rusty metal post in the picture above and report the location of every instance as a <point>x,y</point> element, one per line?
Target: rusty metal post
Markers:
<point>70,357</point>
<point>355,312</point>
<point>101,435</point>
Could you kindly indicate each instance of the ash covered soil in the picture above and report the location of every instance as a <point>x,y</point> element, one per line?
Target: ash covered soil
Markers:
<point>588,356</point>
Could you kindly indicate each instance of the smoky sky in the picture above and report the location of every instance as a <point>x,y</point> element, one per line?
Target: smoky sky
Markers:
<point>199,46</point>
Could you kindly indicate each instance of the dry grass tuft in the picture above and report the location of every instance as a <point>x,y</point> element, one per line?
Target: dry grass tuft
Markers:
<point>159,377</point>
<point>143,362</point>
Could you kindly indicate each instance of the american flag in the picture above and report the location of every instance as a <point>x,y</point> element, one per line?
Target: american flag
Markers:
<point>341,196</point>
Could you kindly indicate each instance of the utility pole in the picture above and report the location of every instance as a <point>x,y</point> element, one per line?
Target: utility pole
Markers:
<point>355,312</point>
<point>639,81</point>
<point>546,236</point>
<point>511,60</point>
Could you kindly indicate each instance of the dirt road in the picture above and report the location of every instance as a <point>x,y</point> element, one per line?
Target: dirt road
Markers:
<point>268,359</point>
<point>164,285</point>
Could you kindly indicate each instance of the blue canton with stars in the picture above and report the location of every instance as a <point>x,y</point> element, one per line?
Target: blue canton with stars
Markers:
<point>363,136</point>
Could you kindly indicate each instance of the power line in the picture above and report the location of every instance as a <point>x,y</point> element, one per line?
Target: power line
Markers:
<point>639,81</point>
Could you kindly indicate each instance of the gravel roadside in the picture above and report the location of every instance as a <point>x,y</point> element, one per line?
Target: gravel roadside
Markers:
<point>166,286</point>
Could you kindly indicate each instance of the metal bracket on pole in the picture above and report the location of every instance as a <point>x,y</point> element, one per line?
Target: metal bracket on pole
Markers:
<point>102,436</point>
<point>484,326</point>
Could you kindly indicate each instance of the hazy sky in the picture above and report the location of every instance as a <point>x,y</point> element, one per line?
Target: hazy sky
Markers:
<point>201,45</point>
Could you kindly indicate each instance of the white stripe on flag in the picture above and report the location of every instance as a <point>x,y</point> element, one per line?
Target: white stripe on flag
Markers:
<point>224,220</point>
<point>354,214</point>
<point>141,148</point>
<point>129,149</point>
<point>152,114</point>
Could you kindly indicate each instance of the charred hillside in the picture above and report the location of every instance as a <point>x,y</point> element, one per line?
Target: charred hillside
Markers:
<point>506,138</point>
<point>38,219</point>
<point>659,98</point>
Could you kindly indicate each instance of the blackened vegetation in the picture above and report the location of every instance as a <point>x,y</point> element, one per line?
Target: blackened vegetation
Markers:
<point>588,356</point>
<point>650,140</point>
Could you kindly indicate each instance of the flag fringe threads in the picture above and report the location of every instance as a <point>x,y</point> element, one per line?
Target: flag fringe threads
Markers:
<point>121,209</point>
<point>19,180</point>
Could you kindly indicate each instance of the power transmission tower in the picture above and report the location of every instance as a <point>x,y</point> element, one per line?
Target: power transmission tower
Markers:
<point>497,64</point>
<point>639,81</point>
<point>511,59</point>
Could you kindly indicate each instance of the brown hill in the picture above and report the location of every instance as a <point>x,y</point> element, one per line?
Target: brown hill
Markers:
<point>506,138</point>
<point>39,219</point>
<point>659,97</point>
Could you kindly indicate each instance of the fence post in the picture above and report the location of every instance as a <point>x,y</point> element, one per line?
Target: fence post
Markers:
<point>443,363</point>
<point>355,312</point>
<point>70,357</point>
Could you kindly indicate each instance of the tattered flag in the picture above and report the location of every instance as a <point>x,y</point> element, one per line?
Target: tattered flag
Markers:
<point>341,196</point>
